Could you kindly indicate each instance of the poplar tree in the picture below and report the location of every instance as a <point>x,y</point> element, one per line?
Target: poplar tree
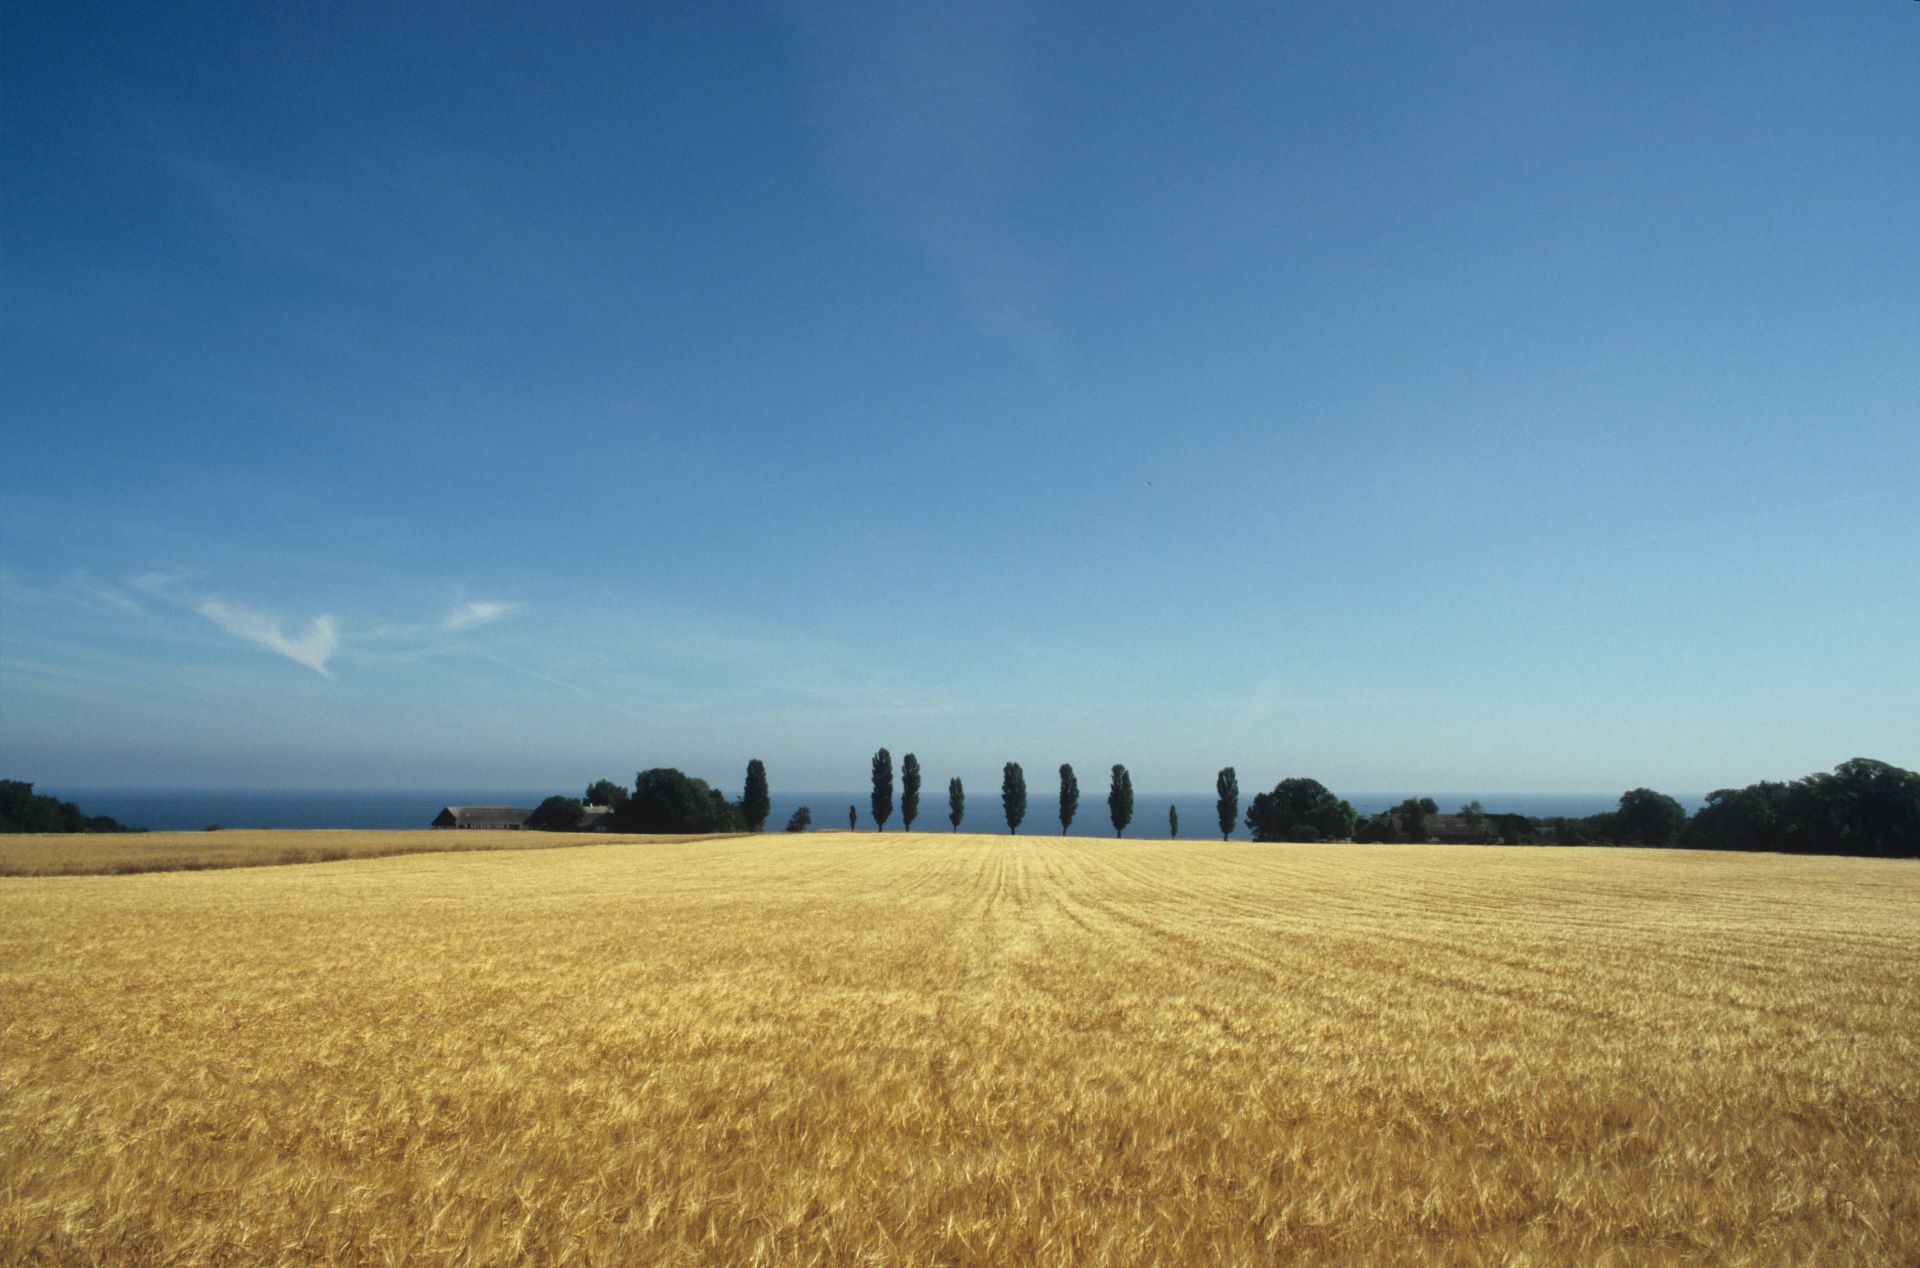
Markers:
<point>1120,800</point>
<point>756,803</point>
<point>853,818</point>
<point>1173,821</point>
<point>882,789</point>
<point>1013,795</point>
<point>956,802</point>
<point>1069,797</point>
<point>909,791</point>
<point>1228,786</point>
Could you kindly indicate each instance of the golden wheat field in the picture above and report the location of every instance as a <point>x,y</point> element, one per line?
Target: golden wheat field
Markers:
<point>932,1049</point>
<point>77,854</point>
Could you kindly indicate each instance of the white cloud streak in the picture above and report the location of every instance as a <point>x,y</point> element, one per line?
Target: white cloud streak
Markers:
<point>91,589</point>
<point>473,614</point>
<point>313,648</point>
<point>161,581</point>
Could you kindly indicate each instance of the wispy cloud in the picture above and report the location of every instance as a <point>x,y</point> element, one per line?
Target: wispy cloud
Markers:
<point>91,589</point>
<point>313,648</point>
<point>316,644</point>
<point>473,614</point>
<point>161,581</point>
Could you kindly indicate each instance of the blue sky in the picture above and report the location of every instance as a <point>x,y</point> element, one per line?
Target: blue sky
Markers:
<point>1521,398</point>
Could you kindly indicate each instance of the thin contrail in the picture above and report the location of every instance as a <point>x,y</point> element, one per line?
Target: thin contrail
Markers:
<point>507,664</point>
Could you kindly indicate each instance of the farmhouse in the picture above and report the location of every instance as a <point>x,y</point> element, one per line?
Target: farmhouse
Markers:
<point>1457,829</point>
<point>1393,825</point>
<point>481,817</point>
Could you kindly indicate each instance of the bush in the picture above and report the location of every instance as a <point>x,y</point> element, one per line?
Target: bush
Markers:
<point>1646,817</point>
<point>1296,806</point>
<point>556,814</point>
<point>665,800</point>
<point>801,821</point>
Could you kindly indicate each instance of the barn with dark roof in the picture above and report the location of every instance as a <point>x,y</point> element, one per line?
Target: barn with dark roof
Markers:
<point>481,817</point>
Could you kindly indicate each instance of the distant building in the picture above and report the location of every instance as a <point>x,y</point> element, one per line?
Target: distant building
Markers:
<point>1393,825</point>
<point>1388,826</point>
<point>495,817</point>
<point>596,818</point>
<point>1458,830</point>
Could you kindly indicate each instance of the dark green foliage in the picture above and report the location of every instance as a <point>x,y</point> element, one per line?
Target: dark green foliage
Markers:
<point>1646,817</point>
<point>556,814</point>
<point>1413,814</point>
<point>1228,786</point>
<point>882,789</point>
<point>1069,797</point>
<point>24,810</point>
<point>1561,830</point>
<point>1173,822</point>
<point>853,818</point>
<point>756,802</point>
<point>665,800</point>
<point>1120,800</point>
<point>802,820</point>
<point>1864,807</point>
<point>1515,829</point>
<point>909,792</point>
<point>1013,795</point>
<point>1757,817</point>
<point>956,802</point>
<point>1297,807</point>
<point>604,792</point>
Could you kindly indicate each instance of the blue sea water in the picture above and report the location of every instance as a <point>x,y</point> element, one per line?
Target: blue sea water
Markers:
<point>191,809</point>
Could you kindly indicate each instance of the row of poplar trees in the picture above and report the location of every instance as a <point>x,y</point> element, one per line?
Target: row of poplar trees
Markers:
<point>1013,797</point>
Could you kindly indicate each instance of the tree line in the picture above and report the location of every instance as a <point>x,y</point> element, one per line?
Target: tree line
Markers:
<point>1863,807</point>
<point>666,800</point>
<point>1013,796</point>
<point>24,810</point>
